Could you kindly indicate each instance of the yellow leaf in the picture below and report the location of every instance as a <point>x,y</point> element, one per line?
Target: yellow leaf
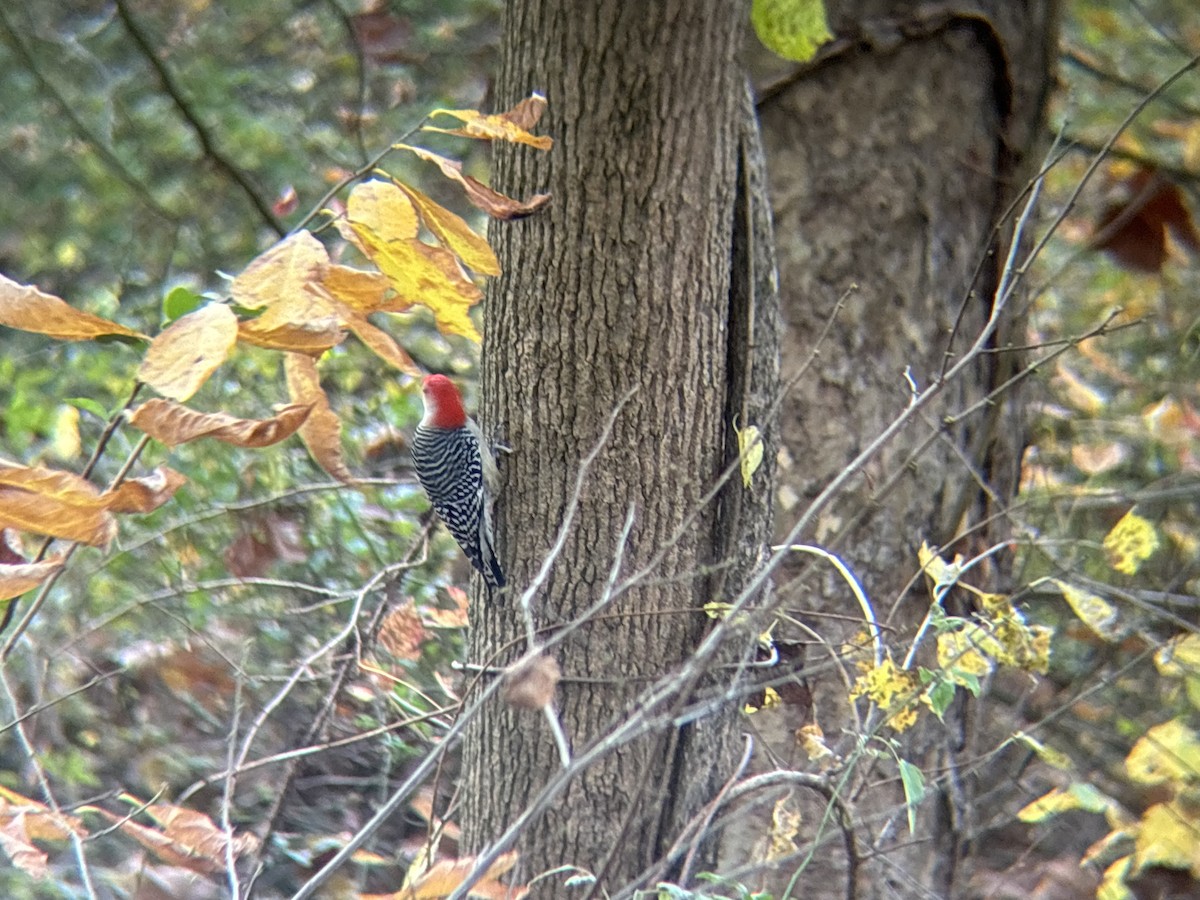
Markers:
<point>305,320</point>
<point>1132,541</point>
<point>364,292</point>
<point>1179,657</point>
<point>1167,753</point>
<point>280,271</point>
<point>455,233</point>
<point>26,308</point>
<point>1095,612</point>
<point>427,275</point>
<point>1113,886</point>
<point>750,451</point>
<point>382,207</point>
<point>1167,837</point>
<point>1077,796</point>
<point>1047,754</point>
<point>65,441</point>
<point>507,126</point>
<point>793,29</point>
<point>812,741</point>
<point>181,359</point>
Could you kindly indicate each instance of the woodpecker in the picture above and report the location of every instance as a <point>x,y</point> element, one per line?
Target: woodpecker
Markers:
<point>455,467</point>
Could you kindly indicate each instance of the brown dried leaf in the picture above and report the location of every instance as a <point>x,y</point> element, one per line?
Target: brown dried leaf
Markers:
<point>28,309</point>
<point>41,822</point>
<point>322,431</point>
<point>455,233</point>
<point>17,847</point>
<point>507,126</point>
<point>532,684</point>
<point>1133,230</point>
<point>145,494</point>
<point>172,424</point>
<point>182,358</point>
<point>51,502</point>
<point>495,204</point>
<point>402,632</point>
<point>17,578</point>
<point>449,618</point>
<point>428,275</point>
<point>188,839</point>
<point>281,271</point>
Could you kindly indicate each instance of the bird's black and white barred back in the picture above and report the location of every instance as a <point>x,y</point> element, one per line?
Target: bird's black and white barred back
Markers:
<point>450,466</point>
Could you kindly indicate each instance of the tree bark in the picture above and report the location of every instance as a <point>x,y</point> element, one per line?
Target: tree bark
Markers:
<point>892,157</point>
<point>627,306</point>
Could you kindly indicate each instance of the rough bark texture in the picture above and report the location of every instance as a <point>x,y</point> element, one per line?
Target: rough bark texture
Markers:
<point>628,282</point>
<point>891,159</point>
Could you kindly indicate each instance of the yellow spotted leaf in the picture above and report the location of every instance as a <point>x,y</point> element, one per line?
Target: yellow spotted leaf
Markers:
<point>1167,753</point>
<point>1167,837</point>
<point>1131,542</point>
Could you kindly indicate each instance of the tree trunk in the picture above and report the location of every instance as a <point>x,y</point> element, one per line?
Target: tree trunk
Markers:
<point>625,307</point>
<point>891,158</point>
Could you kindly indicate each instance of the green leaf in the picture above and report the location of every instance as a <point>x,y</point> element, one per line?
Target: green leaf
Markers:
<point>88,405</point>
<point>794,29</point>
<point>179,302</point>
<point>914,791</point>
<point>940,695</point>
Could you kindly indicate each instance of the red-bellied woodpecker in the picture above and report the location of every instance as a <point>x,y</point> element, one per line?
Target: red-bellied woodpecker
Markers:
<point>455,467</point>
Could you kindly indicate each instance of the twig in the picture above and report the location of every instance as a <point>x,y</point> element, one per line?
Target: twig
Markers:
<point>142,41</point>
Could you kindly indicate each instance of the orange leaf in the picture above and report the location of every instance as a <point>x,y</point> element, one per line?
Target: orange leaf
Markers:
<point>495,204</point>
<point>41,822</point>
<point>382,345</point>
<point>364,292</point>
<point>172,424</point>
<point>322,431</point>
<point>55,503</point>
<point>145,494</point>
<point>427,275</point>
<point>182,358</point>
<point>280,271</point>
<point>302,321</point>
<point>27,308</point>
